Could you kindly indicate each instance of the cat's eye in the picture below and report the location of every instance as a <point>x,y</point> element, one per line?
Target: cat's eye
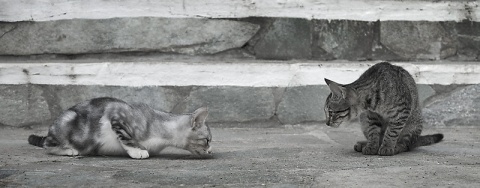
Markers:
<point>338,112</point>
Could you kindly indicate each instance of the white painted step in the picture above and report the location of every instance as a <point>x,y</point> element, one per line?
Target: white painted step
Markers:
<point>366,10</point>
<point>244,73</point>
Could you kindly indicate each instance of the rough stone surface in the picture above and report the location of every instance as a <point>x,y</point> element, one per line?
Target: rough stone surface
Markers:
<point>233,104</point>
<point>157,97</point>
<point>469,40</point>
<point>417,40</point>
<point>342,39</point>
<point>22,105</point>
<point>258,37</point>
<point>189,36</point>
<point>25,105</point>
<point>424,92</point>
<point>461,107</point>
<point>291,156</point>
<point>302,104</point>
<point>285,39</point>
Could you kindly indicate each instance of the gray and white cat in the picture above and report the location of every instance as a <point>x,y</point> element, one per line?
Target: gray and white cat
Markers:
<point>385,98</point>
<point>109,126</point>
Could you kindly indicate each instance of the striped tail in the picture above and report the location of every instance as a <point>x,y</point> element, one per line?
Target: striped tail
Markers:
<point>428,140</point>
<point>36,140</point>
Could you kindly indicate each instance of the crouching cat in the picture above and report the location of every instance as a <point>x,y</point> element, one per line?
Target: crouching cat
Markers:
<point>109,126</point>
<point>385,98</point>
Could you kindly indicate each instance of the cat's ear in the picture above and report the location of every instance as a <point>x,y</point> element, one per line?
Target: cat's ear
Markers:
<point>336,89</point>
<point>199,117</point>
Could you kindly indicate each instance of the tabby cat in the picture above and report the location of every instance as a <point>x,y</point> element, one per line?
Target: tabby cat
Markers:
<point>385,98</point>
<point>109,126</point>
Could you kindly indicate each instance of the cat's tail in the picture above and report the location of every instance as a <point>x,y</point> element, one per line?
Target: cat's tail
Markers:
<point>37,140</point>
<point>426,140</point>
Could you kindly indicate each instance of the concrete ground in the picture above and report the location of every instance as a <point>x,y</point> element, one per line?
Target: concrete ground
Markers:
<point>307,155</point>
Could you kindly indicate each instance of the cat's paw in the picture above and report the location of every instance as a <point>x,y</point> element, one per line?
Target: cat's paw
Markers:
<point>368,150</point>
<point>359,146</point>
<point>138,153</point>
<point>71,152</point>
<point>386,151</point>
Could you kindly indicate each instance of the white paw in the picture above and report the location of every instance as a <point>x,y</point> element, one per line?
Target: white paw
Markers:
<point>138,153</point>
<point>72,152</point>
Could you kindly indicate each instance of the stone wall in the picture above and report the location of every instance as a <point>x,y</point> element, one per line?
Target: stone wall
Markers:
<point>33,105</point>
<point>259,38</point>
<point>232,32</point>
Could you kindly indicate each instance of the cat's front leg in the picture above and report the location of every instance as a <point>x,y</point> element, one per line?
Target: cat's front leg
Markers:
<point>371,127</point>
<point>137,153</point>
<point>133,149</point>
<point>372,132</point>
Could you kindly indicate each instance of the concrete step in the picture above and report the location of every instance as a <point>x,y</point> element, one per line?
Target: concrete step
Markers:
<point>366,10</point>
<point>235,90</point>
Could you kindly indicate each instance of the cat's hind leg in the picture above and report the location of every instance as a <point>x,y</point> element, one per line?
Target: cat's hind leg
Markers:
<point>55,148</point>
<point>372,129</point>
<point>409,137</point>
<point>65,151</point>
<point>393,132</point>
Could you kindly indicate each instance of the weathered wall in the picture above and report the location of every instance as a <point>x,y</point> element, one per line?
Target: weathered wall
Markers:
<point>223,51</point>
<point>260,38</point>
<point>244,92</point>
<point>33,105</point>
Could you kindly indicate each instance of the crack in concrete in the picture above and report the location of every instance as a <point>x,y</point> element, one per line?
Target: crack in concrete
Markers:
<point>14,28</point>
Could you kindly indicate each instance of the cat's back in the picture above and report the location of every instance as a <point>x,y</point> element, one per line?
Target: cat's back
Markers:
<point>388,84</point>
<point>385,69</point>
<point>385,74</point>
<point>98,105</point>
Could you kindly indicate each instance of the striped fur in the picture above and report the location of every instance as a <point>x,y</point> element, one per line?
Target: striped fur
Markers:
<point>385,99</point>
<point>109,126</point>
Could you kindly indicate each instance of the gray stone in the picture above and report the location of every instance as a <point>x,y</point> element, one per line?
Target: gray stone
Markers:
<point>303,104</point>
<point>461,107</point>
<point>342,39</point>
<point>159,98</point>
<point>285,38</point>
<point>417,40</point>
<point>469,40</point>
<point>23,105</point>
<point>233,104</point>
<point>424,92</point>
<point>189,36</point>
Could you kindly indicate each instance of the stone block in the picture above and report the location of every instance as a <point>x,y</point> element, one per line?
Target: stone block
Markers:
<point>468,36</point>
<point>424,92</point>
<point>159,98</point>
<point>417,40</point>
<point>23,105</point>
<point>342,39</point>
<point>302,104</point>
<point>460,108</point>
<point>77,36</point>
<point>284,38</point>
<point>233,104</point>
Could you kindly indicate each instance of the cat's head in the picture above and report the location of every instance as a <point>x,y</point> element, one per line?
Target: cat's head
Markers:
<point>340,105</point>
<point>198,141</point>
